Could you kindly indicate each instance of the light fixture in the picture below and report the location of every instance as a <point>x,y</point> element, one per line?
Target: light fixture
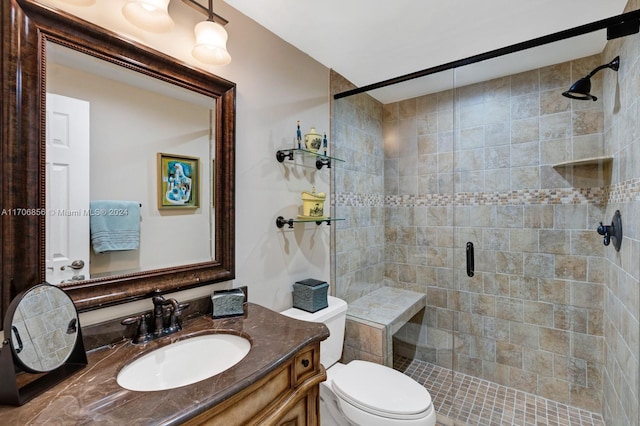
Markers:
<point>149,15</point>
<point>80,2</point>
<point>211,37</point>
<point>581,89</point>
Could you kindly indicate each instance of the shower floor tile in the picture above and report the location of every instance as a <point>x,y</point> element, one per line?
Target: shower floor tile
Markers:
<point>460,399</point>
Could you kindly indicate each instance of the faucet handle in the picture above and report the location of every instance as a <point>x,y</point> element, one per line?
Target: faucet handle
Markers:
<point>142,334</point>
<point>130,320</point>
<point>181,306</point>
<point>175,313</point>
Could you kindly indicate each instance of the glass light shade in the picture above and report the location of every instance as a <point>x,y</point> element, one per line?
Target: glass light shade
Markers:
<point>149,15</point>
<point>211,44</point>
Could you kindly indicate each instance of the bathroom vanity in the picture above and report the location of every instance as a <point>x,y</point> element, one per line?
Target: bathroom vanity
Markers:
<point>276,383</point>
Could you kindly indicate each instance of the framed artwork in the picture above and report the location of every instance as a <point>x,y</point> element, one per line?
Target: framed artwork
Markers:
<point>178,181</point>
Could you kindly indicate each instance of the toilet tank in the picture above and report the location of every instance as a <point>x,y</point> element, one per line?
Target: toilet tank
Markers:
<point>334,317</point>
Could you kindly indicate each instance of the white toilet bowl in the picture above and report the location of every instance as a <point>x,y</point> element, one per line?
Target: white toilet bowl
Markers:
<point>363,393</point>
<point>367,394</point>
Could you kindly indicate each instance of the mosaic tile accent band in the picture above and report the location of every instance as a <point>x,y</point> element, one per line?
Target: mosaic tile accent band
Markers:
<point>620,193</point>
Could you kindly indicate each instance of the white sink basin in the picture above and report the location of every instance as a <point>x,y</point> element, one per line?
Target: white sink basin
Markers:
<point>184,362</point>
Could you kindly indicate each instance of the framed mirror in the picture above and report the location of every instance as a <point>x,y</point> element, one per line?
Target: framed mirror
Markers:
<point>41,335</point>
<point>38,44</point>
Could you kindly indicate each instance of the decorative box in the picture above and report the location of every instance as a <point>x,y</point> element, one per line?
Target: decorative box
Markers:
<point>313,204</point>
<point>229,303</point>
<point>310,295</point>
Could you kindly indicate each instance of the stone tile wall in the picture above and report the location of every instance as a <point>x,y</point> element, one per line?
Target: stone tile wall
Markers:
<point>368,341</point>
<point>358,243</point>
<point>621,101</point>
<point>550,310</point>
<point>477,164</point>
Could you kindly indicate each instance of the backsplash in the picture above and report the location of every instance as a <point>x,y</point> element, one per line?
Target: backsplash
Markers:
<point>113,331</point>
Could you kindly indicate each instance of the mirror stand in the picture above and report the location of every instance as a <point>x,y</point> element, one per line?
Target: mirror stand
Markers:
<point>42,344</point>
<point>12,394</point>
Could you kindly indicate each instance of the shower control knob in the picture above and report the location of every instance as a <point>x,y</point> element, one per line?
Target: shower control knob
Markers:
<point>612,233</point>
<point>604,231</point>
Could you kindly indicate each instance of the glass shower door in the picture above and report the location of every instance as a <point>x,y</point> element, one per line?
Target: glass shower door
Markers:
<point>532,180</point>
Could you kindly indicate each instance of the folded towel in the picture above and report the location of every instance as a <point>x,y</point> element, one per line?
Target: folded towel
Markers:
<point>115,225</point>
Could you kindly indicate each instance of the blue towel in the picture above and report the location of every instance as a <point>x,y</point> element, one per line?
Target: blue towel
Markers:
<point>115,225</point>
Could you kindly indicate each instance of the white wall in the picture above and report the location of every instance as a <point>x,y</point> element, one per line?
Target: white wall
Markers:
<point>276,86</point>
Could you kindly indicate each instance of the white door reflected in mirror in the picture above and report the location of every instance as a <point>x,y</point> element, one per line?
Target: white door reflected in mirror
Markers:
<point>67,193</point>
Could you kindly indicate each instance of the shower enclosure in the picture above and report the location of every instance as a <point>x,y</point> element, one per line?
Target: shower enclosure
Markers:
<point>481,186</point>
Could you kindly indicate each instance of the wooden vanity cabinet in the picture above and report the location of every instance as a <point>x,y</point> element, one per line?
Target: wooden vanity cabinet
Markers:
<point>287,396</point>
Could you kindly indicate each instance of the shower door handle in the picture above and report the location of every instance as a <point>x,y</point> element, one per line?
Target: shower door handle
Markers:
<point>470,262</point>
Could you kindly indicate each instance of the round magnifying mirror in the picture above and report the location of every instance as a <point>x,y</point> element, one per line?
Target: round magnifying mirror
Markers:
<point>42,328</point>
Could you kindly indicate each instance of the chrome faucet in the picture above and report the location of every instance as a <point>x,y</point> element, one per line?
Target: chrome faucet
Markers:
<point>165,319</point>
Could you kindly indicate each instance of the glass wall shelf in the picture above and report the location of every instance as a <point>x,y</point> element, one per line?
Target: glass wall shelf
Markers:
<point>281,221</point>
<point>321,159</point>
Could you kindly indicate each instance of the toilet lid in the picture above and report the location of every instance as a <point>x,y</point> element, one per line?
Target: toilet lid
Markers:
<point>380,390</point>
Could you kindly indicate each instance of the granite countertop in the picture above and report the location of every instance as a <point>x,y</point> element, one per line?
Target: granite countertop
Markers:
<point>92,396</point>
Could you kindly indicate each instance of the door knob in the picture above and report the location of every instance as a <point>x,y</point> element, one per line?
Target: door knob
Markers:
<point>75,265</point>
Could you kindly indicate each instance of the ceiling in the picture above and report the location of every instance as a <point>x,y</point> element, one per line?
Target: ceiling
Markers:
<point>368,41</point>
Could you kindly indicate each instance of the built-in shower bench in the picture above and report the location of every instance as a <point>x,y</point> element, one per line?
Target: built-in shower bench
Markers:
<point>373,319</point>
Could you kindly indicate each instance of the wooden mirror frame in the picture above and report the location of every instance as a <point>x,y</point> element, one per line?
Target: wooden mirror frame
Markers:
<point>26,26</point>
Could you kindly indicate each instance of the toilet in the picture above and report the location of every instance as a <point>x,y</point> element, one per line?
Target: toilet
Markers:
<point>363,393</point>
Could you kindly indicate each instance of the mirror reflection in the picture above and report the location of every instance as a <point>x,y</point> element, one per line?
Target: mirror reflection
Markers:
<point>44,328</point>
<point>106,127</point>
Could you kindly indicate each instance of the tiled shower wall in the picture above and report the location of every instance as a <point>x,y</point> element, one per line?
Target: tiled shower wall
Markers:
<point>358,244</point>
<point>621,102</point>
<point>550,310</point>
<point>477,165</point>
